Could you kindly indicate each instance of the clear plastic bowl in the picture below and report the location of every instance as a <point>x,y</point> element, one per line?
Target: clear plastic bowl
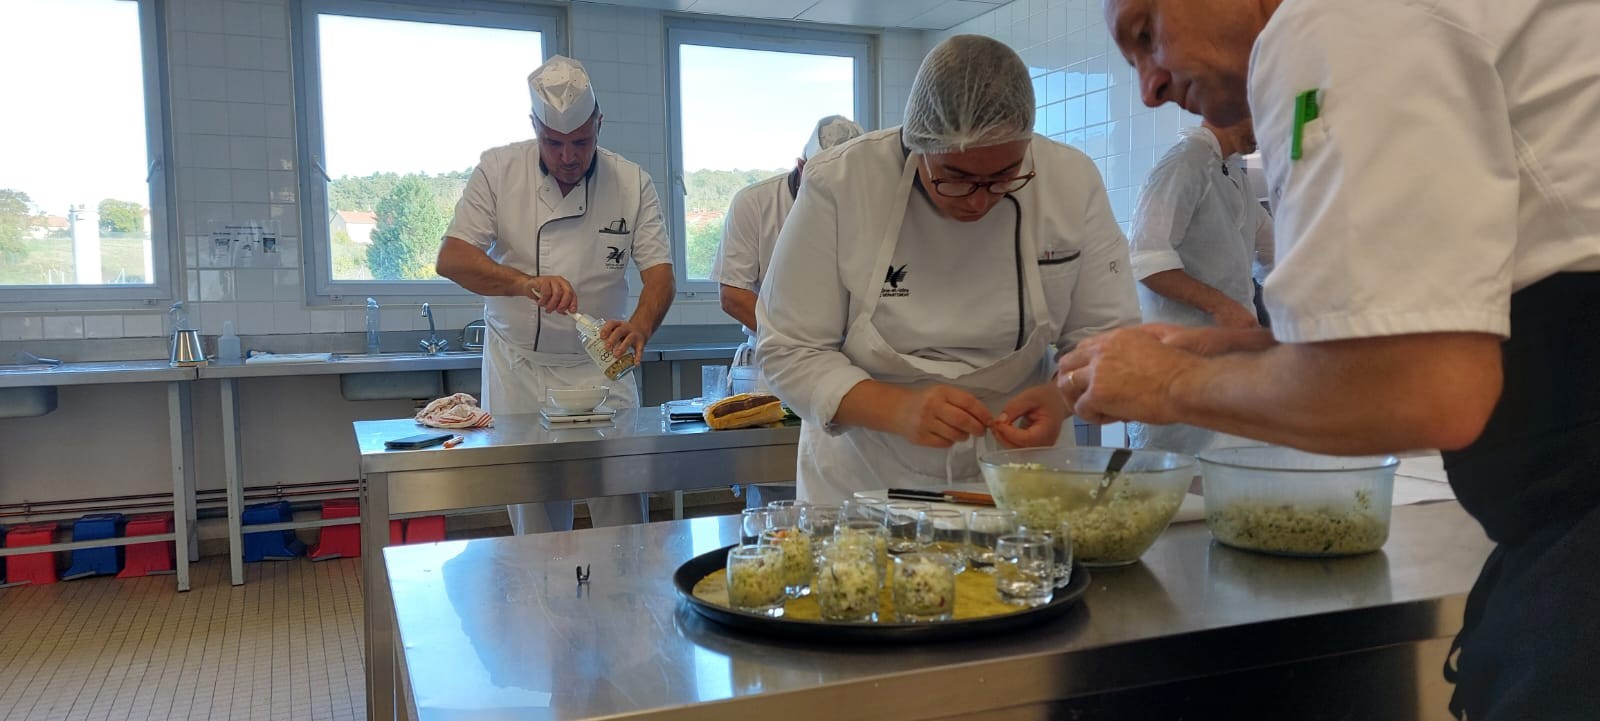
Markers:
<point>1293,503</point>
<point>1046,486</point>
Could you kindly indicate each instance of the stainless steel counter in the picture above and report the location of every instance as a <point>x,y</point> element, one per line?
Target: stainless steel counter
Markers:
<point>498,629</point>
<point>343,364</point>
<point>524,439</point>
<point>521,461</point>
<point>93,373</point>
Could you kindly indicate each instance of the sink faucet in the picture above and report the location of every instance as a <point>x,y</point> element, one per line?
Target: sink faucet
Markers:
<point>434,343</point>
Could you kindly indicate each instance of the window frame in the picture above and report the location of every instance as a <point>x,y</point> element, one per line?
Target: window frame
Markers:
<point>316,243</point>
<point>166,258</point>
<point>842,42</point>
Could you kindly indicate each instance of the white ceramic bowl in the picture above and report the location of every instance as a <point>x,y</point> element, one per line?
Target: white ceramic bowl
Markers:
<point>577,400</point>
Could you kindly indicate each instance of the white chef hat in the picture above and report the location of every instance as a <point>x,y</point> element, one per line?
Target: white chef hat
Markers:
<point>562,97</point>
<point>830,131</point>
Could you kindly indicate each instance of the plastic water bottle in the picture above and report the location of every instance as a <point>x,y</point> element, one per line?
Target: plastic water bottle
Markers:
<point>228,347</point>
<point>373,326</point>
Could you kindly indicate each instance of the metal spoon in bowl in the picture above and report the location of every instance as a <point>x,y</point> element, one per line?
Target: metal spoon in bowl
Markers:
<point>1119,458</point>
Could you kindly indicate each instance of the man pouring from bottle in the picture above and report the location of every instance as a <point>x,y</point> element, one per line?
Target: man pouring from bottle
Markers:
<point>546,227</point>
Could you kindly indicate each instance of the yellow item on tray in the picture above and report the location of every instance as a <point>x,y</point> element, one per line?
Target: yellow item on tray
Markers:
<point>743,411</point>
<point>976,597</point>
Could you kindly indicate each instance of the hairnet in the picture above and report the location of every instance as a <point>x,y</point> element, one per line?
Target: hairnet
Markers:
<point>830,131</point>
<point>971,91</point>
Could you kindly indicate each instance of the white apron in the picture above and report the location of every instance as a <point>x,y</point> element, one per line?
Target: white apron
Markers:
<point>514,381</point>
<point>833,467</point>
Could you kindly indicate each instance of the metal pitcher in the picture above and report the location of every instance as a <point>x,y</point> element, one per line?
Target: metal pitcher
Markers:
<point>186,350</point>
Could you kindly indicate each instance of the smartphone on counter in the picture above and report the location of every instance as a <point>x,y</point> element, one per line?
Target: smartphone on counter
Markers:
<point>411,443</point>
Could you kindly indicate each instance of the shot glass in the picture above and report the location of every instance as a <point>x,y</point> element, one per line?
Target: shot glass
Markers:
<point>755,579</point>
<point>944,531</point>
<point>752,523</point>
<point>786,513</point>
<point>847,582</point>
<point>797,559</point>
<point>901,522</point>
<point>868,535</point>
<point>1024,569</point>
<point>924,587</point>
<point>818,522</point>
<point>864,509</point>
<point>985,526</point>
<point>1060,537</point>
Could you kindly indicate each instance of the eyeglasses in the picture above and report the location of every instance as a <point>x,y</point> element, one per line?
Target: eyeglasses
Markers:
<point>964,188</point>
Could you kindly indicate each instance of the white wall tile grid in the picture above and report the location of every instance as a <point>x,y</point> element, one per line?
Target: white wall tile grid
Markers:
<point>1087,95</point>
<point>233,144</point>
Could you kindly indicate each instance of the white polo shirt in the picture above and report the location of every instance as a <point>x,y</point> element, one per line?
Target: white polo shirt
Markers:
<point>1454,160</point>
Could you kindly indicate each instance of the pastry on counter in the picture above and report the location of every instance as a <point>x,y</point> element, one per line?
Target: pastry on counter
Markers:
<point>743,411</point>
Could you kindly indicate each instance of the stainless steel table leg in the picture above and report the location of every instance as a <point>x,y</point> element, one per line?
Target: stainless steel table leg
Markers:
<point>180,432</point>
<point>677,505</point>
<point>233,465</point>
<point>378,609</point>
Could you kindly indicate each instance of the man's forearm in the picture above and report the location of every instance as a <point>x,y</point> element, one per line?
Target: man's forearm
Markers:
<point>1183,288</point>
<point>1370,395</point>
<point>471,268</point>
<point>740,304</point>
<point>655,297</point>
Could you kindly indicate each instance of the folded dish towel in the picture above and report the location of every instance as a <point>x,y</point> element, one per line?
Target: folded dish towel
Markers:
<point>455,411</point>
<point>257,358</point>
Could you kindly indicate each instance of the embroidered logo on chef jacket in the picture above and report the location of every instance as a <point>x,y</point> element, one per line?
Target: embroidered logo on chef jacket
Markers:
<point>618,227</point>
<point>615,257</point>
<point>892,281</point>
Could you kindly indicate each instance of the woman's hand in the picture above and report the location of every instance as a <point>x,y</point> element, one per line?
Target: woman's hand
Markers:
<point>1045,411</point>
<point>941,416</point>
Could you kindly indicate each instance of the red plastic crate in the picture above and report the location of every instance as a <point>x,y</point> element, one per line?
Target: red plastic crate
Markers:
<point>339,541</point>
<point>345,541</point>
<point>425,529</point>
<point>143,559</point>
<point>37,568</point>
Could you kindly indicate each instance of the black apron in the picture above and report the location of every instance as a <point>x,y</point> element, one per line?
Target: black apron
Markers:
<point>1529,646</point>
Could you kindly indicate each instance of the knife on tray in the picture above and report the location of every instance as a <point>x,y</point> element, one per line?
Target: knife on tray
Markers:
<point>969,498</point>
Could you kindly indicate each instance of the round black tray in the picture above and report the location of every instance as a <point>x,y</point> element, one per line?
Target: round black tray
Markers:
<point>704,564</point>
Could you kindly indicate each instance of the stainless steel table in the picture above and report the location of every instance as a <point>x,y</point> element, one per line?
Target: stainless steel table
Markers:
<point>499,629</point>
<point>521,461</point>
<point>180,434</point>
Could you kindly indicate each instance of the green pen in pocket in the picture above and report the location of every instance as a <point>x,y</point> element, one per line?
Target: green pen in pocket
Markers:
<point>1305,111</point>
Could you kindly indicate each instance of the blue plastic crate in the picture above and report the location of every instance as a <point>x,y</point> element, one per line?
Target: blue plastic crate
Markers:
<point>270,545</point>
<point>95,561</point>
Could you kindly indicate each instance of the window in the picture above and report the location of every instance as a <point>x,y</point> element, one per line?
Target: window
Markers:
<point>83,192</point>
<point>400,102</point>
<point>743,101</point>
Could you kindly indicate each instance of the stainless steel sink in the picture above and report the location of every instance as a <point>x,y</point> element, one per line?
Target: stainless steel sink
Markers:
<point>27,402</point>
<point>405,356</point>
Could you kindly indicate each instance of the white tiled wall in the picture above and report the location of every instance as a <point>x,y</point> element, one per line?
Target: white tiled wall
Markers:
<point>233,141</point>
<point>1086,94</point>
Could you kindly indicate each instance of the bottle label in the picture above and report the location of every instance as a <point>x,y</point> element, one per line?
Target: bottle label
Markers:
<point>609,363</point>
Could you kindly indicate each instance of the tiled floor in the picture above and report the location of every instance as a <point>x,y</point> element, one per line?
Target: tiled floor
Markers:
<point>286,645</point>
